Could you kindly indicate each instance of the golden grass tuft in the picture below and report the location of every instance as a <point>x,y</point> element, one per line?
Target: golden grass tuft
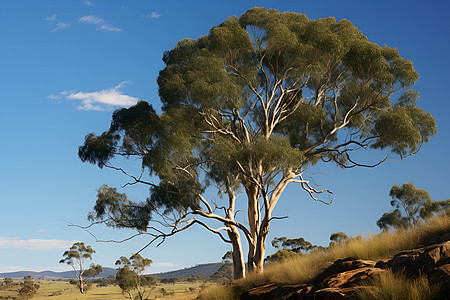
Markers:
<point>389,286</point>
<point>218,292</point>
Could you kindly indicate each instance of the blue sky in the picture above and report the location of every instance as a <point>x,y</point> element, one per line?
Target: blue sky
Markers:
<point>66,65</point>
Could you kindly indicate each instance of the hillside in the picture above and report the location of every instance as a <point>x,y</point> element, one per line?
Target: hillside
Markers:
<point>50,275</point>
<point>203,269</point>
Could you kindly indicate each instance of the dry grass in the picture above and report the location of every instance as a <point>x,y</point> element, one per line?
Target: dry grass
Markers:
<point>389,286</point>
<point>63,290</point>
<point>303,269</point>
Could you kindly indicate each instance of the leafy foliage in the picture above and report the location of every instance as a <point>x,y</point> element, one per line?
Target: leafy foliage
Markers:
<point>289,248</point>
<point>415,203</point>
<point>295,245</point>
<point>28,288</point>
<point>130,276</point>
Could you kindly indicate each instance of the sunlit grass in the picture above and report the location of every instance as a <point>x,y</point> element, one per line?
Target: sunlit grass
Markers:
<point>63,290</point>
<point>304,268</point>
<point>388,286</point>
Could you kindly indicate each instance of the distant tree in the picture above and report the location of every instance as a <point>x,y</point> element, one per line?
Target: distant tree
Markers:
<point>295,245</point>
<point>75,257</point>
<point>8,281</point>
<point>247,109</point>
<point>227,257</point>
<point>110,280</point>
<point>412,205</point>
<point>169,280</point>
<point>130,276</point>
<point>28,288</point>
<point>280,255</point>
<point>338,238</point>
<point>164,292</point>
<point>225,272</point>
<point>289,248</point>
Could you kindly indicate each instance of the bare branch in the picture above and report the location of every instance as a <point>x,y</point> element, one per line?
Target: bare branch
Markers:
<point>136,179</point>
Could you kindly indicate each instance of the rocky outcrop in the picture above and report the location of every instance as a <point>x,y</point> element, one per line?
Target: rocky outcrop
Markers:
<point>430,260</point>
<point>343,278</point>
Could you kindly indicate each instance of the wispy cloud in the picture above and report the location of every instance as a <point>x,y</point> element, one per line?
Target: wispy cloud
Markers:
<point>153,15</point>
<point>42,230</point>
<point>89,3</point>
<point>104,100</point>
<point>60,25</point>
<point>166,265</point>
<point>101,24</point>
<point>34,244</point>
<point>51,18</point>
<point>91,19</point>
<point>109,28</point>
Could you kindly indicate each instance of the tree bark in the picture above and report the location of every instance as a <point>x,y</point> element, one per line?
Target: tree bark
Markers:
<point>253,221</point>
<point>238,255</point>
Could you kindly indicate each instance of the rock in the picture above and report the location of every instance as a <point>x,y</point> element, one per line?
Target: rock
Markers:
<point>440,274</point>
<point>343,265</point>
<point>350,278</point>
<point>418,261</point>
<point>277,291</point>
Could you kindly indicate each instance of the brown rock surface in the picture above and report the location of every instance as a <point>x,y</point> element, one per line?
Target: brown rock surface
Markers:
<point>418,261</point>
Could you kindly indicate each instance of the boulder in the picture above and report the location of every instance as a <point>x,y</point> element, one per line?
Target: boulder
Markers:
<point>419,261</point>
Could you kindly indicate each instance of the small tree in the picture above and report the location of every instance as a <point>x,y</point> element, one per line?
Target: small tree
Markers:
<point>280,255</point>
<point>338,238</point>
<point>8,282</point>
<point>130,275</point>
<point>75,257</point>
<point>28,288</point>
<point>225,272</point>
<point>416,205</point>
<point>295,245</point>
<point>289,248</point>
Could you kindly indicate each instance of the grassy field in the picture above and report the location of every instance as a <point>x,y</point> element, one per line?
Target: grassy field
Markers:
<point>59,290</point>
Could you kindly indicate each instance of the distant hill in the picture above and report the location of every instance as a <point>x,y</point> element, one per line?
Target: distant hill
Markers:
<point>203,269</point>
<point>50,275</point>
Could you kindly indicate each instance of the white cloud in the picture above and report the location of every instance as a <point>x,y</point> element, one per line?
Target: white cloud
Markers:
<point>153,15</point>
<point>42,230</point>
<point>94,20</point>
<point>60,25</point>
<point>89,3</point>
<point>109,28</point>
<point>51,18</point>
<point>34,244</point>
<point>53,97</point>
<point>91,19</point>
<point>104,100</point>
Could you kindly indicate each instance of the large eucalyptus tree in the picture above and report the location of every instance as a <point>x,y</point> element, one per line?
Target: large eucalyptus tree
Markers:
<point>248,108</point>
